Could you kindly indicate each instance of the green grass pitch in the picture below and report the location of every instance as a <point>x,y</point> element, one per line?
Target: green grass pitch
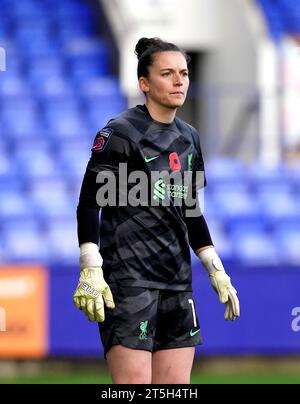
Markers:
<point>197,378</point>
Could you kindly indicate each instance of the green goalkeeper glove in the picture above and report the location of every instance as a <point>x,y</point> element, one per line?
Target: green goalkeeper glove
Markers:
<point>92,289</point>
<point>221,282</point>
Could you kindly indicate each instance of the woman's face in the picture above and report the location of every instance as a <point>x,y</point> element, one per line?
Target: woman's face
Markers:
<point>168,80</point>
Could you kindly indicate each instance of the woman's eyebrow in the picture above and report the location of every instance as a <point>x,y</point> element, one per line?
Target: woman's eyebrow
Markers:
<point>172,70</point>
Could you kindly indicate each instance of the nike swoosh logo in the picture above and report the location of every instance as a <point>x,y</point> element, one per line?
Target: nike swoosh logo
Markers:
<point>148,159</point>
<point>192,333</point>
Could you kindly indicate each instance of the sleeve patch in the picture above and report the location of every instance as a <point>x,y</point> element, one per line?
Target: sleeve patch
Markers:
<point>102,139</point>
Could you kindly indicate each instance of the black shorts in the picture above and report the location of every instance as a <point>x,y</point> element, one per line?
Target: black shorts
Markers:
<point>150,319</point>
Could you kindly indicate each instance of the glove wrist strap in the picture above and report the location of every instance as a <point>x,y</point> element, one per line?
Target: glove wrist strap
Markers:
<point>90,256</point>
<point>211,261</point>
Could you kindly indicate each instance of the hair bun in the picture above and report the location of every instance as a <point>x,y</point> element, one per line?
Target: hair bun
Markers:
<point>144,44</point>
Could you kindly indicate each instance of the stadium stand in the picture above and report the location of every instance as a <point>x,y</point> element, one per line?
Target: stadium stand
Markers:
<point>56,93</point>
<point>282,17</point>
<point>58,90</point>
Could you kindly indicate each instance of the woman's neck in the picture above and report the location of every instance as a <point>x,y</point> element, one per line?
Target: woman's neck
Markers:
<point>160,113</point>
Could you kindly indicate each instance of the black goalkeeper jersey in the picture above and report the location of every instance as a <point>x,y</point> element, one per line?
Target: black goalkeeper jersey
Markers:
<point>146,245</point>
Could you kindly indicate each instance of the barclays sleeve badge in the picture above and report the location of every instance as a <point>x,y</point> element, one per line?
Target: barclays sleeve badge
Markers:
<point>102,139</point>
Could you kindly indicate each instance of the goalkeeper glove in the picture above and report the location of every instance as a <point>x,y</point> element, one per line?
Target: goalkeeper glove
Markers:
<point>221,282</point>
<point>92,288</point>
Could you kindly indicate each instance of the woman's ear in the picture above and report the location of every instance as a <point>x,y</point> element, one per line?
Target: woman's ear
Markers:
<point>144,84</point>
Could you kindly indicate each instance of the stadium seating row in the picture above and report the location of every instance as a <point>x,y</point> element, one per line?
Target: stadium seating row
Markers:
<point>58,90</point>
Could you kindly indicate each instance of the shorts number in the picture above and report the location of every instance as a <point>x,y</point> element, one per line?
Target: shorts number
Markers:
<point>191,302</point>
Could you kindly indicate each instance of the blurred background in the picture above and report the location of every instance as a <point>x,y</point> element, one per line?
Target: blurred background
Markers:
<point>66,67</point>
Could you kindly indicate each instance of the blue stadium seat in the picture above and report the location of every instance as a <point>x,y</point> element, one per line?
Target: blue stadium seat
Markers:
<point>9,179</point>
<point>51,198</point>
<point>77,49</point>
<point>88,67</point>
<point>17,104</point>
<point>28,148</point>
<point>101,110</point>
<point>69,29</point>
<point>26,245</point>
<point>23,36</point>
<point>28,9</point>
<point>289,245</point>
<point>42,165</point>
<point>288,242</point>
<point>75,192</point>
<point>3,256</point>
<point>246,224</point>
<point>224,171</point>
<point>74,168</point>
<point>256,249</point>
<point>273,188</point>
<point>279,207</point>
<point>61,108</point>
<point>3,29</point>
<point>261,174</point>
<point>67,125</point>
<point>14,205</point>
<point>294,176</point>
<point>31,224</point>
<point>283,17</point>
<point>28,125</point>
<point>100,88</point>
<point>62,241</point>
<point>220,238</point>
<point>4,159</point>
<point>44,47</point>
<point>44,25</point>
<point>14,86</point>
<point>54,87</point>
<point>87,58</point>
<point>45,68</point>
<point>287,236</point>
<point>36,160</point>
<point>11,183</point>
<point>234,204</point>
<point>73,10</point>
<point>17,113</point>
<point>10,48</point>
<point>13,64</point>
<point>20,121</point>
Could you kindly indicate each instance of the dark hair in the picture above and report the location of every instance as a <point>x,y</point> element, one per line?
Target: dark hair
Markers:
<point>147,47</point>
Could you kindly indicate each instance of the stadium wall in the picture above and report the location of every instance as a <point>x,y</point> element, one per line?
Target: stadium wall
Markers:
<point>224,38</point>
<point>228,73</point>
<point>47,324</point>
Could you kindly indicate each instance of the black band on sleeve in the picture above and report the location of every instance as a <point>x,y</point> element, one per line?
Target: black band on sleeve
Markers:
<point>199,235</point>
<point>88,211</point>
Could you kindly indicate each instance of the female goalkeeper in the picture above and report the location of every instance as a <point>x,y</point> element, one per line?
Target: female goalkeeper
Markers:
<point>149,328</point>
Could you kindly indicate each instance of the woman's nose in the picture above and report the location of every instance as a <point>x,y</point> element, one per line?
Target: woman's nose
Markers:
<point>178,79</point>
